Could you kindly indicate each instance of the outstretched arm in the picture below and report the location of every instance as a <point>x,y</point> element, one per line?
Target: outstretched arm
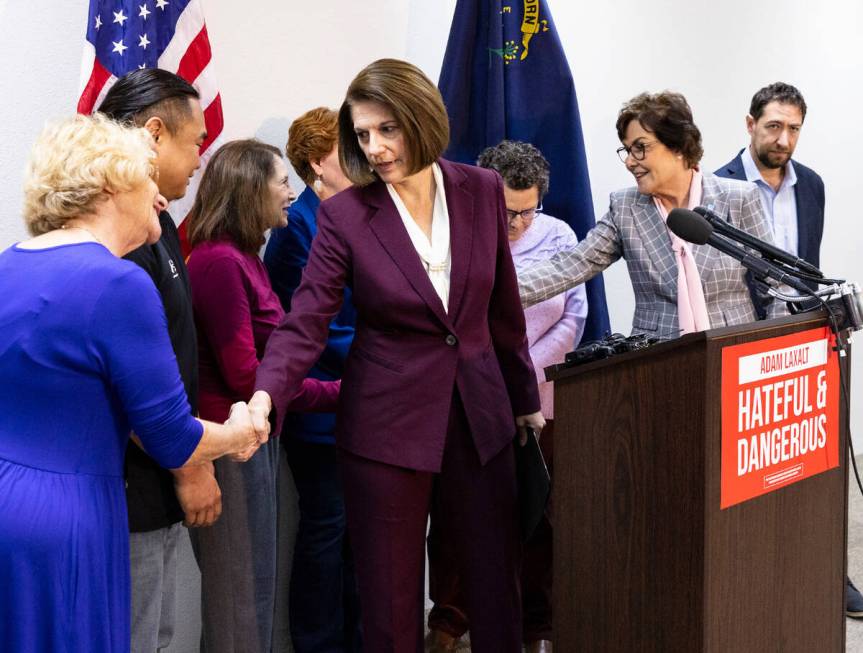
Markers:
<point>567,269</point>
<point>298,341</point>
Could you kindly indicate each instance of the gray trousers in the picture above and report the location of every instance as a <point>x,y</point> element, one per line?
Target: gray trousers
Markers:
<point>153,566</point>
<point>237,557</point>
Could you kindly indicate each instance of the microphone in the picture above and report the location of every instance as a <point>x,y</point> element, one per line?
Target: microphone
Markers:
<point>766,249</point>
<point>693,228</point>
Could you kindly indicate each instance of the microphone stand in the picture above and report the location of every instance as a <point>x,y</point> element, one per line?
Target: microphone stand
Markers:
<point>843,304</point>
<point>841,299</point>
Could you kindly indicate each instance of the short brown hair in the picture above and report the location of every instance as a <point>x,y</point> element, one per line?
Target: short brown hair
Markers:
<point>310,138</point>
<point>669,117</point>
<point>233,197</point>
<point>416,104</point>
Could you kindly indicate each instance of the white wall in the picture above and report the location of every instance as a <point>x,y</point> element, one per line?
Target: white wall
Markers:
<point>40,47</point>
<point>277,58</point>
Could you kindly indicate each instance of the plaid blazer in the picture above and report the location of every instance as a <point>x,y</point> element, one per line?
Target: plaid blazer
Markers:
<point>634,229</point>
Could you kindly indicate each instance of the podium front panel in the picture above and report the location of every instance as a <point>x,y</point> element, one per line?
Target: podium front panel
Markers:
<point>645,558</point>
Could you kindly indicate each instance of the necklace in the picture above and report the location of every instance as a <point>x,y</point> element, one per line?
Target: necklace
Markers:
<point>85,230</point>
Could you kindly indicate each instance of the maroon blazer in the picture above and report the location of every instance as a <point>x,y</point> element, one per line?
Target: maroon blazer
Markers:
<point>408,353</point>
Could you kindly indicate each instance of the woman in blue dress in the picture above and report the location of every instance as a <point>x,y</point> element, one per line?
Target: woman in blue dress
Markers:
<point>85,360</point>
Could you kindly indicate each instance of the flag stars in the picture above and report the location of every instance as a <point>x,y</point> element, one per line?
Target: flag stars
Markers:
<point>142,66</point>
<point>161,4</point>
<point>119,47</point>
<point>143,11</point>
<point>98,23</point>
<point>120,17</point>
<point>143,41</point>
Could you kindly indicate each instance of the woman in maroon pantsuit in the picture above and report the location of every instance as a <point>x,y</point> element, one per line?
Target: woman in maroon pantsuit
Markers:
<point>438,376</point>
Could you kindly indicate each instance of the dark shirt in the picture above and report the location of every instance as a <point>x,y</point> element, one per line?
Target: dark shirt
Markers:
<point>149,488</point>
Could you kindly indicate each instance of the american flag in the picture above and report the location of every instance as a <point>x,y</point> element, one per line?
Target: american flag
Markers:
<point>123,35</point>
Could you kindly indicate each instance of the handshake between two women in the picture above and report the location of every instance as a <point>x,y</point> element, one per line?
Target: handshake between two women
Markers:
<point>251,427</point>
<point>248,424</point>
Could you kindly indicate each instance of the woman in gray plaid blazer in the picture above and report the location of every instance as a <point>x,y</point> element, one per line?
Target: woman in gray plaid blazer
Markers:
<point>662,149</point>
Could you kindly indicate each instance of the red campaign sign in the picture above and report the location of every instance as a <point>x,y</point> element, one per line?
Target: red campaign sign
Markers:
<point>780,413</point>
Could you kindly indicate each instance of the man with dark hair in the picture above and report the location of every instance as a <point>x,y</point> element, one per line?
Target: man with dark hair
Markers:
<point>791,193</point>
<point>169,108</point>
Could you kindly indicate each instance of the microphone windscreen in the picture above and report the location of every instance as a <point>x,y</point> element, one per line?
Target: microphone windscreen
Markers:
<point>689,226</point>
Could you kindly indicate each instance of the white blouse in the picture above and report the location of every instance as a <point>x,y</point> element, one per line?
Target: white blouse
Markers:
<point>434,254</point>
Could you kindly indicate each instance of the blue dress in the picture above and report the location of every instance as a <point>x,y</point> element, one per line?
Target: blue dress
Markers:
<point>84,359</point>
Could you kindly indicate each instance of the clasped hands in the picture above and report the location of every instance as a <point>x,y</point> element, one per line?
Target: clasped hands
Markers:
<point>252,421</point>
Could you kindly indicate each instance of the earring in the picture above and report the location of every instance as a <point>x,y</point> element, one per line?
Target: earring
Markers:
<point>318,184</point>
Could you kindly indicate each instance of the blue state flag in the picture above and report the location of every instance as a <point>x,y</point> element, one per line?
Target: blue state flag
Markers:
<point>505,75</point>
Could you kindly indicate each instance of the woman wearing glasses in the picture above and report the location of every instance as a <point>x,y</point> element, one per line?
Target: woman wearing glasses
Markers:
<point>554,327</point>
<point>679,287</point>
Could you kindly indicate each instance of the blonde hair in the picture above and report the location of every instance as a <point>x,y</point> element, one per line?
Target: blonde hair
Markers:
<point>75,161</point>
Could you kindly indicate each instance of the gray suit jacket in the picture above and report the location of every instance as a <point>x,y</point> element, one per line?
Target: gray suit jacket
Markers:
<point>634,229</point>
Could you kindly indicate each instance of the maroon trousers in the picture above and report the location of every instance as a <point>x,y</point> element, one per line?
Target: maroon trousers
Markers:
<point>449,614</point>
<point>472,506</point>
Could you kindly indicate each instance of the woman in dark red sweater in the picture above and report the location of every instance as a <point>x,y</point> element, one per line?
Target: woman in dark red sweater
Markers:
<point>244,192</point>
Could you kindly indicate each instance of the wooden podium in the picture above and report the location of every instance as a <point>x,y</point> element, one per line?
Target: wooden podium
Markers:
<point>644,558</point>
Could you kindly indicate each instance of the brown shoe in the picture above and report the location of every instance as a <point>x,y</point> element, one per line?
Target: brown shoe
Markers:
<point>539,646</point>
<point>438,641</point>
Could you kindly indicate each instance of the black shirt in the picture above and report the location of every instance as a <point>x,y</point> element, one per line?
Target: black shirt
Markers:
<point>149,488</point>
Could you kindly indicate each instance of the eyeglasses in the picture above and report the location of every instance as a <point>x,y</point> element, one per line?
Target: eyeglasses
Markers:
<point>638,151</point>
<point>526,216</point>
